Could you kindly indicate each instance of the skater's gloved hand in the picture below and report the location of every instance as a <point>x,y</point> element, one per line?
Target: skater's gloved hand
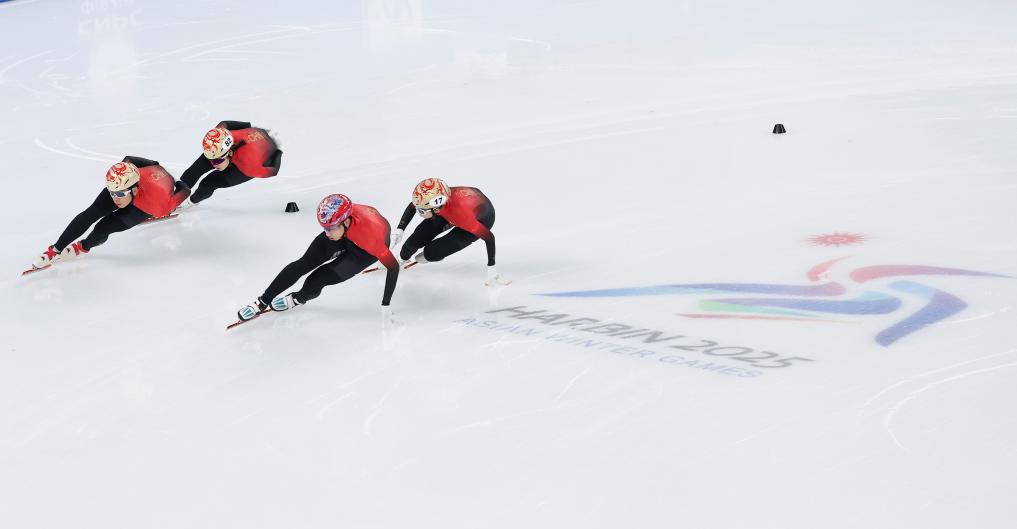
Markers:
<point>390,329</point>
<point>396,237</point>
<point>494,278</point>
<point>179,185</point>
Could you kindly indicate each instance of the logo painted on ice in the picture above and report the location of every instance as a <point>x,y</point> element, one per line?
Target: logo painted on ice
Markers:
<point>837,239</point>
<point>806,302</point>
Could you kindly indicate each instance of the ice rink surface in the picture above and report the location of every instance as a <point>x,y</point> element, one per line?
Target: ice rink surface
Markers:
<point>710,326</point>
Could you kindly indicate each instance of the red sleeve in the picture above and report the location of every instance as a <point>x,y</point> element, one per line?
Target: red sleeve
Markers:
<point>256,154</point>
<point>178,198</point>
<point>481,231</point>
<point>377,248</point>
<point>469,222</point>
<point>370,232</point>
<point>488,238</point>
<point>386,258</point>
<point>389,260</point>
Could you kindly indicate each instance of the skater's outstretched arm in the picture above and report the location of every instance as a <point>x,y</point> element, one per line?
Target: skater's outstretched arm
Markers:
<point>397,235</point>
<point>392,266</point>
<point>489,241</point>
<point>404,221</point>
<point>199,168</point>
<point>180,194</point>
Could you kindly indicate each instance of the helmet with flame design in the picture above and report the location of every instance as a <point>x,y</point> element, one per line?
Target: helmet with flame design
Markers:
<point>430,193</point>
<point>122,176</point>
<point>217,143</point>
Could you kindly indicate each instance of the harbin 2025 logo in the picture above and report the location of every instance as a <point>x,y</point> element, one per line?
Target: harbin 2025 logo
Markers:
<point>819,299</point>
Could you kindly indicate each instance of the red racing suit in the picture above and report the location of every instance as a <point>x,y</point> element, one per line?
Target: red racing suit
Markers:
<point>155,194</point>
<point>370,232</point>
<point>465,208</point>
<point>255,148</point>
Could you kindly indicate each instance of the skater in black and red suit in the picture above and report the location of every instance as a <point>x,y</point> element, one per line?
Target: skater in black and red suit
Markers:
<point>355,237</point>
<point>238,153</point>
<point>465,212</point>
<point>137,189</point>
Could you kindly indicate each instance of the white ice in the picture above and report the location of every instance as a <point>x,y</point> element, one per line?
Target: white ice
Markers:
<point>624,144</point>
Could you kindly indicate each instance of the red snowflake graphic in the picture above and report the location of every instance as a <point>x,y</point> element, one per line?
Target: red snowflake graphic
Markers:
<point>837,239</point>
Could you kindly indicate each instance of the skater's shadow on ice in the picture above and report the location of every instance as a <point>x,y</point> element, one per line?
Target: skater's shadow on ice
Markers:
<point>322,316</point>
<point>544,269</point>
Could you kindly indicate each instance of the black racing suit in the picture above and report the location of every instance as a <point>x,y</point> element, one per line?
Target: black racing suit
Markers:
<point>345,260</point>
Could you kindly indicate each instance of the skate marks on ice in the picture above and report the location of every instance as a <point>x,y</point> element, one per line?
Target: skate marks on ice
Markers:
<point>560,132</point>
<point>94,156</point>
<point>891,401</point>
<point>19,62</point>
<point>246,40</point>
<point>84,155</point>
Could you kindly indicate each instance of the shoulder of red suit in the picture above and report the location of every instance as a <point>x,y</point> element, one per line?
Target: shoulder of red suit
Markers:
<point>250,135</point>
<point>362,209</point>
<point>154,172</point>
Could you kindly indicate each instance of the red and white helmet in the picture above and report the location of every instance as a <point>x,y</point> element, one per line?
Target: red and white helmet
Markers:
<point>430,193</point>
<point>334,209</point>
<point>122,176</point>
<point>216,143</point>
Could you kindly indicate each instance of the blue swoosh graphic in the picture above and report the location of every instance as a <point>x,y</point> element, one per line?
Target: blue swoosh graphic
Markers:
<point>826,289</point>
<point>941,306</point>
